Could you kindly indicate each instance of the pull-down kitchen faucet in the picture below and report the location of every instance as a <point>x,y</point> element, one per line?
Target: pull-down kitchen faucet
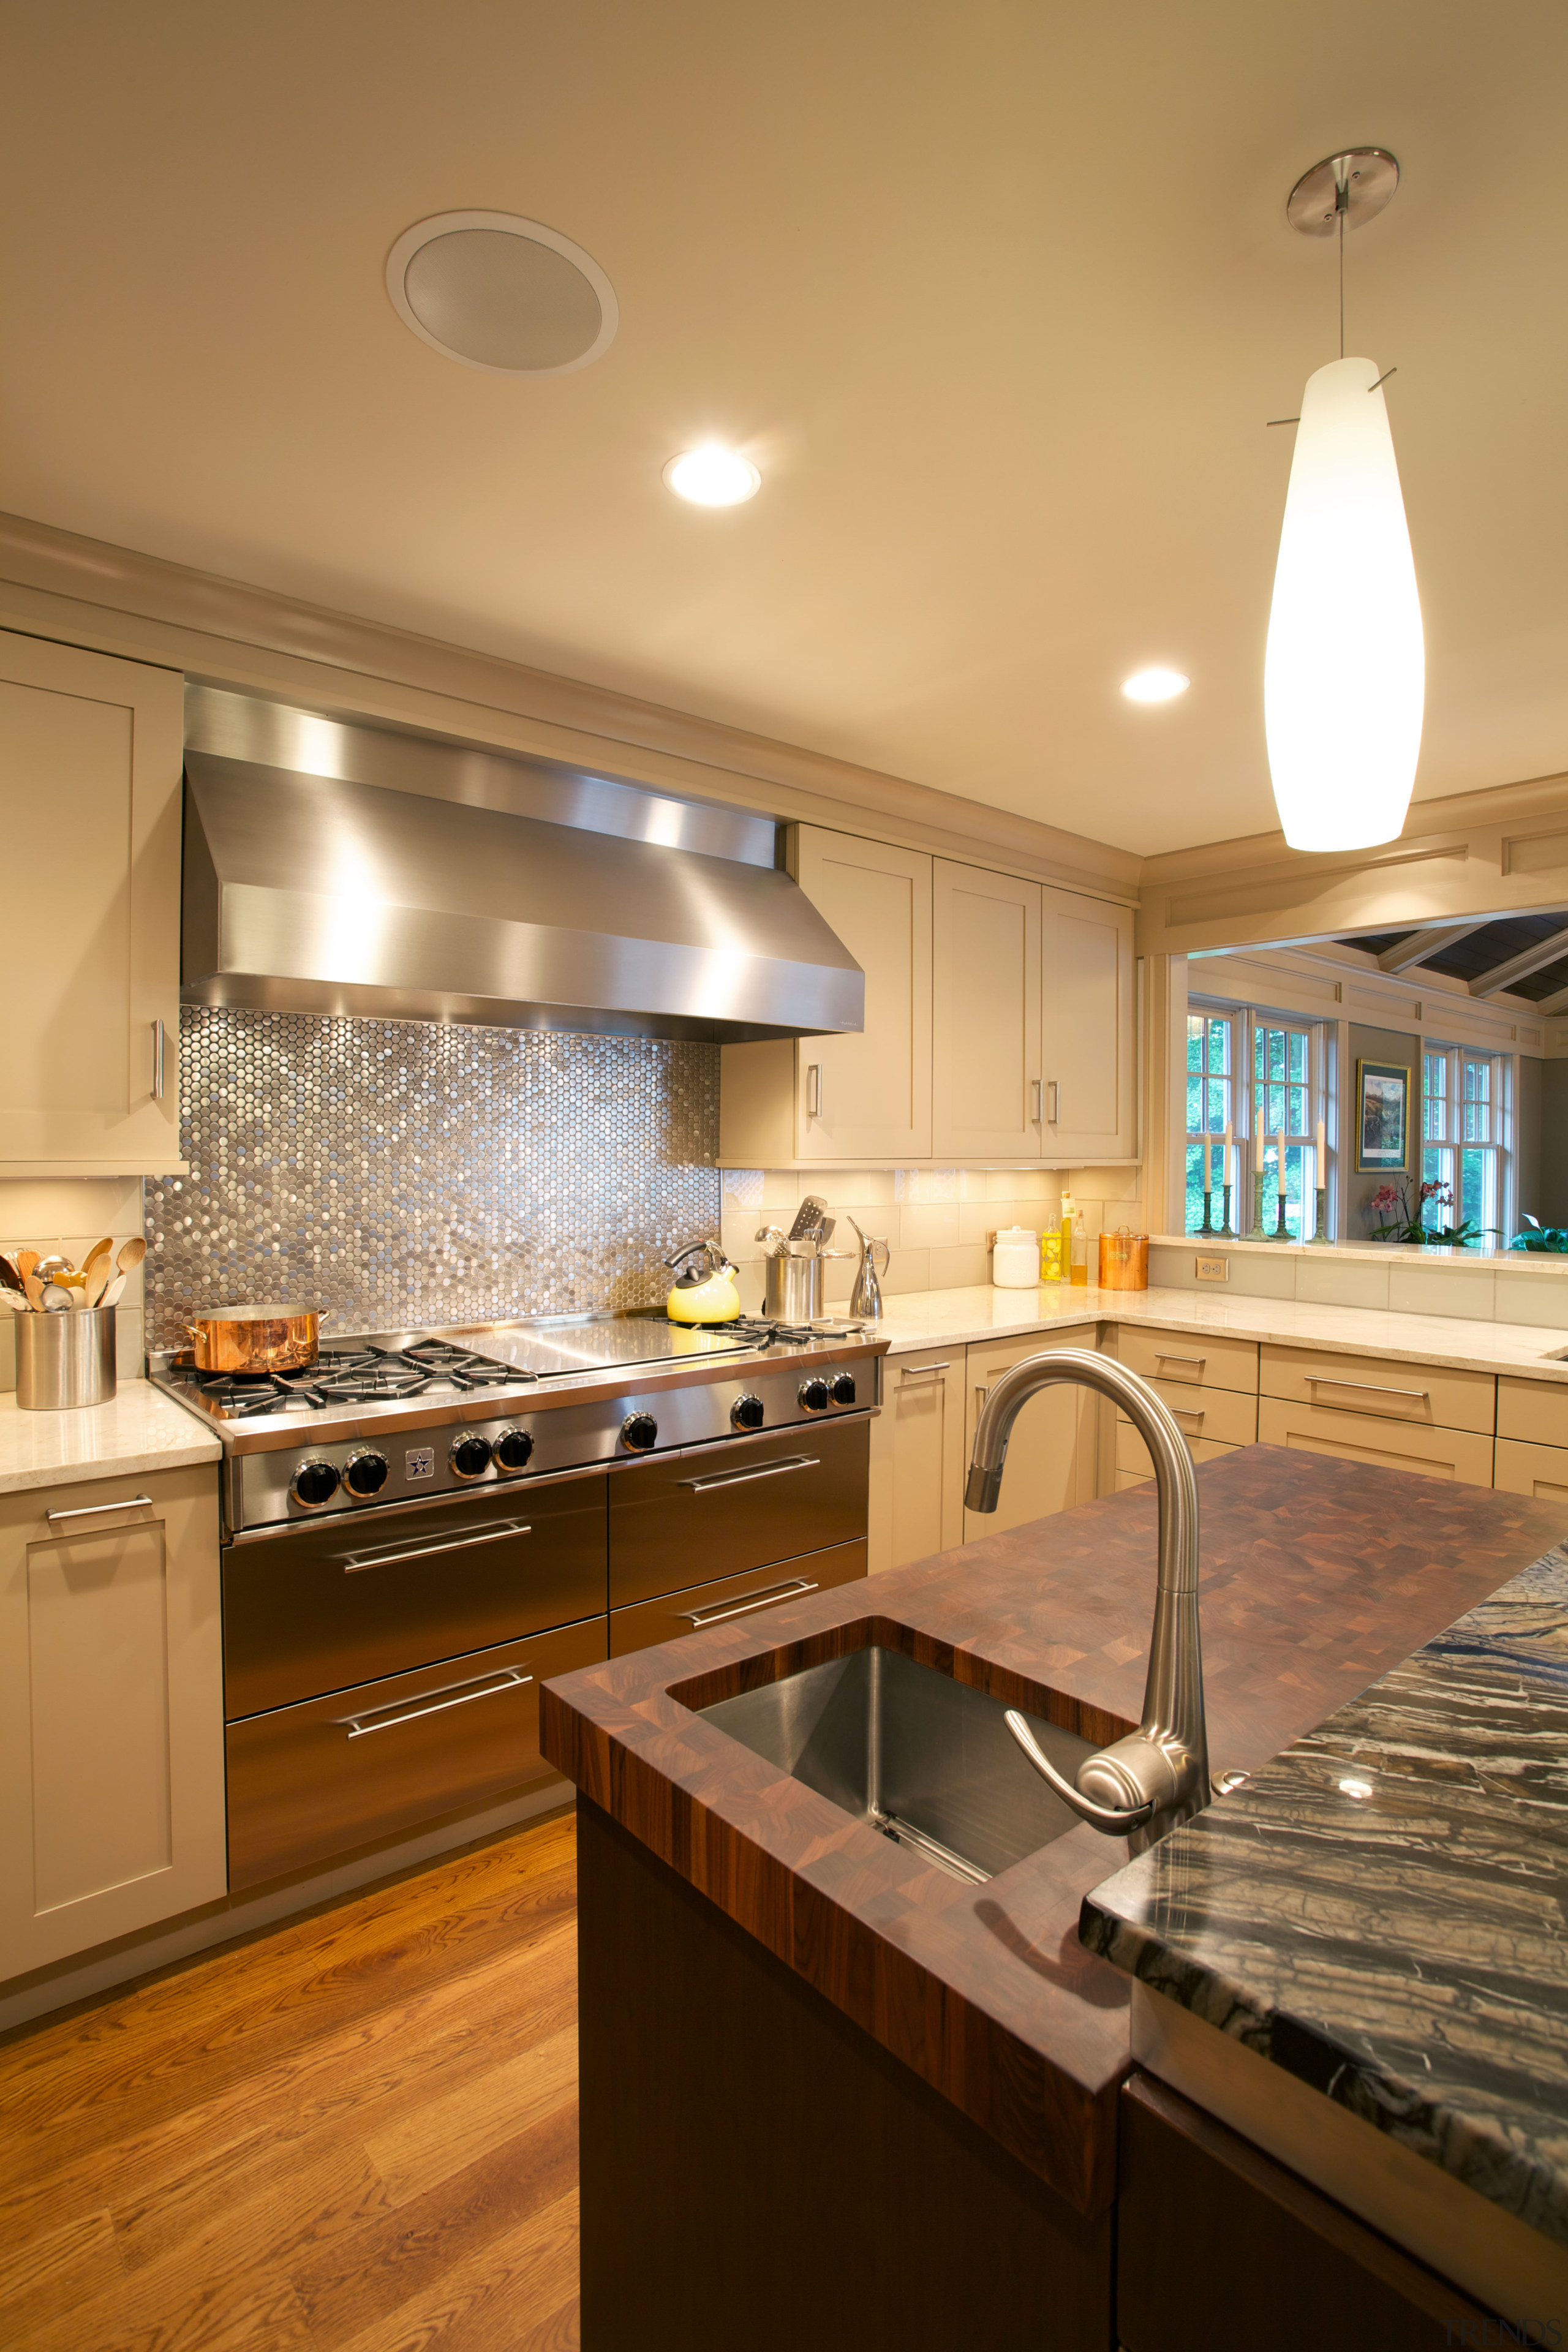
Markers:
<point>1157,1776</point>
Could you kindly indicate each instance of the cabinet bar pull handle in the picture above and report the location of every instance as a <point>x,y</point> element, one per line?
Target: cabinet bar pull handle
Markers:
<point>1197,1362</point>
<point>1186,1413</point>
<point>791,1592</point>
<point>1365,1388</point>
<point>814,1090</point>
<point>95,1510</point>
<point>158,1035</point>
<point>1039,1091</point>
<point>923,1371</point>
<point>1055,1091</point>
<point>360,1726</point>
<point>741,1477</point>
<point>357,1561</point>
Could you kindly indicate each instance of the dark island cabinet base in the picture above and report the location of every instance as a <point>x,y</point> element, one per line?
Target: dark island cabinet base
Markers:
<point>1220,2249</point>
<point>757,2171</point>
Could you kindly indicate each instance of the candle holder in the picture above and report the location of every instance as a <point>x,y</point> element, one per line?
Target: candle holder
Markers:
<point>1321,1230</point>
<point>1256,1232</point>
<point>1207,1226</point>
<point>1281,1231</point>
<point>1226,1232</point>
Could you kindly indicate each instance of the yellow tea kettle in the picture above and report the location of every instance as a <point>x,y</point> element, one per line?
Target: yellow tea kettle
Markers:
<point>704,1288</point>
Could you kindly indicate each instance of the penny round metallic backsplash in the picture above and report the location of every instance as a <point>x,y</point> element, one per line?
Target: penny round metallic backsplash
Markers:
<point>399,1172</point>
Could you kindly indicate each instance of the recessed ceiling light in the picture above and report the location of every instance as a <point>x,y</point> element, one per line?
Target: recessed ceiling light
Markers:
<point>498,292</point>
<point>1154,685</point>
<point>712,477</point>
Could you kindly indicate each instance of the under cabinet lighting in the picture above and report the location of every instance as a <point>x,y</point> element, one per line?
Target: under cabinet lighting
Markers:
<point>712,477</point>
<point>1156,685</point>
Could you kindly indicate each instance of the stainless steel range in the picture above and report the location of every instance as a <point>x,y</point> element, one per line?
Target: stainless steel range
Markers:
<point>421,1521</point>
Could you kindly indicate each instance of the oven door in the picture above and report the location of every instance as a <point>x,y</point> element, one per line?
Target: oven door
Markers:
<point>721,1511</point>
<point>311,1782</point>
<point>363,1594</point>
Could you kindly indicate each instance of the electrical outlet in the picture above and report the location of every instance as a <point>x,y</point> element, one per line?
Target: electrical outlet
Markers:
<point>1213,1269</point>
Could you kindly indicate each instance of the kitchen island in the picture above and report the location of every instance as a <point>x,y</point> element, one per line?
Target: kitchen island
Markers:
<point>830,2091</point>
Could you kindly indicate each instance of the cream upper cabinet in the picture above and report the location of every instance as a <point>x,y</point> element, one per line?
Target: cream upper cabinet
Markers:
<point>90,761</point>
<point>111,1756</point>
<point>859,1098</point>
<point>1087,954</point>
<point>986,1091</point>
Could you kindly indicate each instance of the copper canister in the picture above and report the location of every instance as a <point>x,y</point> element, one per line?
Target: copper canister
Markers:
<point>1124,1260</point>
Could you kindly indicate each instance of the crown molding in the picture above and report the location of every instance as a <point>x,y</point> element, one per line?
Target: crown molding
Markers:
<point>225,633</point>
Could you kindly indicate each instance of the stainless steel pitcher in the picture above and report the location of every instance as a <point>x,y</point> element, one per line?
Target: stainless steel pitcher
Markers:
<point>866,1298</point>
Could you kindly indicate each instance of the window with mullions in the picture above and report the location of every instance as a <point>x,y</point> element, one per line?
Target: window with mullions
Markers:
<point>1463,1138</point>
<point>1211,1107</point>
<point>1282,1105</point>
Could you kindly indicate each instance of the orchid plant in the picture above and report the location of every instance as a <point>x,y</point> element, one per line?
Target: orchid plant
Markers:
<point>1403,1218</point>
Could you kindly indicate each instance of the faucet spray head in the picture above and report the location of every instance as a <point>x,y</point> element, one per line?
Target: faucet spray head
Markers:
<point>983,1488</point>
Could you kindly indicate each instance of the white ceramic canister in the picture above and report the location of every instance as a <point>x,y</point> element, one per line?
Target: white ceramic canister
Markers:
<point>1016,1260</point>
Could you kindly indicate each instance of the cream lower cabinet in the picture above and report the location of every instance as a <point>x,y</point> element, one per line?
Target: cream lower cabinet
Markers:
<point>1052,1454</point>
<point>1432,1420</point>
<point>111,1765</point>
<point>90,755</point>
<point>918,1458</point>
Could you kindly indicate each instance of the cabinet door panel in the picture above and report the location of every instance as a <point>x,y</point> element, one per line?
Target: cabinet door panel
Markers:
<point>1538,1470</point>
<point>871,1095</point>
<point>1087,959</point>
<point>918,1458</point>
<point>1431,1453</point>
<point>986,996</point>
<point>1051,1453</point>
<point>90,751</point>
<point>112,1788</point>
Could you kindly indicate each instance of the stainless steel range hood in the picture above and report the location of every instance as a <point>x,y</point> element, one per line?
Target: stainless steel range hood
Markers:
<point>338,868</point>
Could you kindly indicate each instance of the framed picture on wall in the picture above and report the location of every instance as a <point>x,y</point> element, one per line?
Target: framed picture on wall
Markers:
<point>1383,1117</point>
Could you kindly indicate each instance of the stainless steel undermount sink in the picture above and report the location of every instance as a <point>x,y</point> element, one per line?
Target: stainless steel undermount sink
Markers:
<point>927,1761</point>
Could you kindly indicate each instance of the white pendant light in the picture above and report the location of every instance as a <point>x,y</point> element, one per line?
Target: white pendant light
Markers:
<point>1345,673</point>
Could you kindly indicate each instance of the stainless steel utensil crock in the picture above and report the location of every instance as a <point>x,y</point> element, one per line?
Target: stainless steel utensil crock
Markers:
<point>792,1290</point>
<point>63,1360</point>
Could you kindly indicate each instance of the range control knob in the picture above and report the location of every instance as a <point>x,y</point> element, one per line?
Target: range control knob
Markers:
<point>364,1472</point>
<point>748,1412</point>
<point>814,1396</point>
<point>314,1482</point>
<point>469,1456</point>
<point>639,1431</point>
<point>844,1389</point>
<point>513,1448</point>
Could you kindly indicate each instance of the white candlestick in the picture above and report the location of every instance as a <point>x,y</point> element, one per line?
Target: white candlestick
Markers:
<point>1322,1155</point>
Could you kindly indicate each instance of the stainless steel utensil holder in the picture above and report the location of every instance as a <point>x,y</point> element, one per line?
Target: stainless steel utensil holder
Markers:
<point>64,1361</point>
<point>792,1291</point>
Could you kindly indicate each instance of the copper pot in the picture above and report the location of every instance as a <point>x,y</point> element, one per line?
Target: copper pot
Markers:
<point>256,1338</point>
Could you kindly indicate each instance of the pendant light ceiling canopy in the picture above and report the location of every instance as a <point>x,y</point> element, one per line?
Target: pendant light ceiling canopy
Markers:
<point>1345,673</point>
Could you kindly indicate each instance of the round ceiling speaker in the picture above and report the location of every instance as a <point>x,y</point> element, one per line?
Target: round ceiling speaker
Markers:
<point>500,293</point>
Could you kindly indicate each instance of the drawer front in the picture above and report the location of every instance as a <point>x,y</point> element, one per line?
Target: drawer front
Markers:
<point>1132,1461</point>
<point>306,1783</point>
<point>1203,1360</point>
<point>354,1598</point>
<point>722,1510</point>
<point>1377,1386</point>
<point>732,1600</point>
<point>1534,1411</point>
<point>1364,1437</point>
<point>1222,1413</point>
<point>988,1361</point>
<point>1538,1470</point>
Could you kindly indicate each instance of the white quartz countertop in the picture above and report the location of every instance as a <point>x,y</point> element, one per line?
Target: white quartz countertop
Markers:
<point>139,1430</point>
<point>931,1318</point>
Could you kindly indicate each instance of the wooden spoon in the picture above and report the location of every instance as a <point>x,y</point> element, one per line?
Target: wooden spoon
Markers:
<point>132,1256</point>
<point>25,1262</point>
<point>34,1290</point>
<point>10,1274</point>
<point>111,1296</point>
<point>97,1281</point>
<point>99,1249</point>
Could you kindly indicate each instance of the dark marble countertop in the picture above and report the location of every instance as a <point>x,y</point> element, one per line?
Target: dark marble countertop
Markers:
<point>1318,1577</point>
<point>1382,1910</point>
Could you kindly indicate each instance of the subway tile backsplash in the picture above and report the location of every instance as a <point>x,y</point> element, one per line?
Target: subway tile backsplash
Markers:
<point>400,1173</point>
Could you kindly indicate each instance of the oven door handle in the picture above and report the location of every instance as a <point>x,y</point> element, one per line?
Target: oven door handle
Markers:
<point>741,1477</point>
<point>357,1563</point>
<point>774,1594</point>
<point>504,1678</point>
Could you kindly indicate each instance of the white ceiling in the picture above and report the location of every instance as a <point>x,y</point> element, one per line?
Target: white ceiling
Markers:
<point>999,297</point>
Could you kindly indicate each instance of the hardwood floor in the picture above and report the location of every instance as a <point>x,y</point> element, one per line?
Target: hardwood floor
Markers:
<point>357,2131</point>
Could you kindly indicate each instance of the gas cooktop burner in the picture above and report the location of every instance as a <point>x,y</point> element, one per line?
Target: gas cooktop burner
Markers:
<point>366,1375</point>
<point>757,1331</point>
